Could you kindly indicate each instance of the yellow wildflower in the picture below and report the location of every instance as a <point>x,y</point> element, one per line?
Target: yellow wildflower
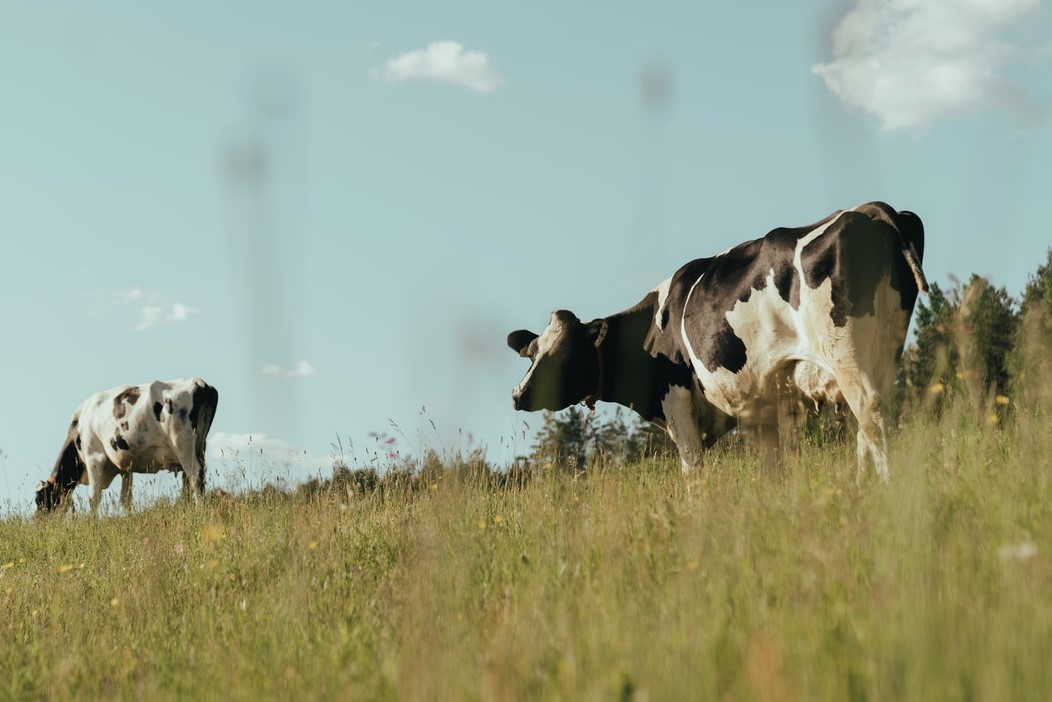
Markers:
<point>212,532</point>
<point>1001,400</point>
<point>937,389</point>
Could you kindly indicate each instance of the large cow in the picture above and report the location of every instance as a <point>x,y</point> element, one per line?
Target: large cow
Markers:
<point>821,309</point>
<point>146,428</point>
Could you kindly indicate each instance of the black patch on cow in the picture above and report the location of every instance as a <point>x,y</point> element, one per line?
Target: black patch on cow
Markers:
<point>857,252</point>
<point>638,370</point>
<point>74,423</point>
<point>67,473</point>
<point>119,443</point>
<point>157,407</point>
<point>202,412</point>
<point>125,426</point>
<point>899,231</point>
<point>721,282</point>
<point>130,396</point>
<point>203,407</point>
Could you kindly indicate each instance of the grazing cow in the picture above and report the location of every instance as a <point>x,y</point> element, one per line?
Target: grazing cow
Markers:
<point>133,429</point>
<point>822,309</point>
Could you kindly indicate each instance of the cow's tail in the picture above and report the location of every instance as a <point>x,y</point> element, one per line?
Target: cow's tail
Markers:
<point>911,239</point>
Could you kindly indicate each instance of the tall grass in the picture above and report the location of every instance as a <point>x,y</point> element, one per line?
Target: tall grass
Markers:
<point>624,583</point>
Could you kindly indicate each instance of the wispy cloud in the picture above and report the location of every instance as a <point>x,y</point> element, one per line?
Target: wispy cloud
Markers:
<point>268,456</point>
<point>154,314</point>
<point>913,62</point>
<point>303,369</point>
<point>442,61</point>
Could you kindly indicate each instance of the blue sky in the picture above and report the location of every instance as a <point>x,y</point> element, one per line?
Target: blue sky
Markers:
<point>335,212</point>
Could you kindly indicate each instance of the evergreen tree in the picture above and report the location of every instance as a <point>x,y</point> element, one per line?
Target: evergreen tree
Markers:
<point>575,438</point>
<point>564,439</point>
<point>1030,360</point>
<point>986,328</point>
<point>931,361</point>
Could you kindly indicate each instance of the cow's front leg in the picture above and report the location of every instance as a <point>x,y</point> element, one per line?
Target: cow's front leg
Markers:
<point>193,467</point>
<point>126,490</point>
<point>681,423</point>
<point>99,473</point>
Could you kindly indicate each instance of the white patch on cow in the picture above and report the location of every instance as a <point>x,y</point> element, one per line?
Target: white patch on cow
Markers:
<point>774,335</point>
<point>547,341</point>
<point>807,239</point>
<point>662,293</point>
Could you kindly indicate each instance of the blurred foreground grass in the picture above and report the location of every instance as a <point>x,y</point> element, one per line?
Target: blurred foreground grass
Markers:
<point>625,583</point>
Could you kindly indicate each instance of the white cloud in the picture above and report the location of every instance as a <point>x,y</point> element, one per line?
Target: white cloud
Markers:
<point>259,458</point>
<point>150,316</point>
<point>181,312</point>
<point>912,62</point>
<point>303,369</point>
<point>444,61</point>
<point>153,314</point>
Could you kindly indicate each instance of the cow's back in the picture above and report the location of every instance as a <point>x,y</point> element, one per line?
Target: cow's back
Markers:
<point>790,296</point>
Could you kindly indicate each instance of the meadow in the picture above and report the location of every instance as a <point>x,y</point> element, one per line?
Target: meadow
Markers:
<point>627,582</point>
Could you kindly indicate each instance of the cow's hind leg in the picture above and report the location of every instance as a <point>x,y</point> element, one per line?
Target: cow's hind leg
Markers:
<point>864,400</point>
<point>682,427</point>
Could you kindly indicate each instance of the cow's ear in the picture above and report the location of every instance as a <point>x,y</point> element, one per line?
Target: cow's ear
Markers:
<point>597,330</point>
<point>519,341</point>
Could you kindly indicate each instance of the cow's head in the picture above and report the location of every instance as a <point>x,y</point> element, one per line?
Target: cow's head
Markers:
<point>49,496</point>
<point>565,365</point>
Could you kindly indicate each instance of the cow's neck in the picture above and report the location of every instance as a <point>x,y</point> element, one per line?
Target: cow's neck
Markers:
<point>628,374</point>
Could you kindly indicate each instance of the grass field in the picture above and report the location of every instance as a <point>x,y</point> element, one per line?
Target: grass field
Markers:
<point>626,583</point>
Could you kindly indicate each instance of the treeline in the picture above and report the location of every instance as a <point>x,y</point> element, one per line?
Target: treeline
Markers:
<point>977,340</point>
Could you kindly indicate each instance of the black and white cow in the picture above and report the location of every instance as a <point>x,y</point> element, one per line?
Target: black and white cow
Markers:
<point>146,428</point>
<point>822,309</point>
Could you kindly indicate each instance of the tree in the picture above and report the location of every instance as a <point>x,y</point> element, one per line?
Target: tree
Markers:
<point>1030,360</point>
<point>931,361</point>
<point>986,326</point>
<point>564,439</point>
<point>575,438</point>
<point>963,340</point>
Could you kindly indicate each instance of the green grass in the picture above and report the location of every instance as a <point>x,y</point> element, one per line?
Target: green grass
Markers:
<point>627,583</point>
